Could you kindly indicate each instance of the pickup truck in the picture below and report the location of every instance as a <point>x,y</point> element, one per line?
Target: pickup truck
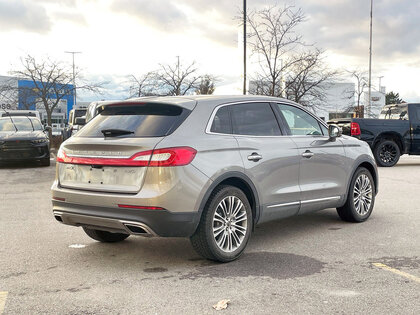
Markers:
<point>396,132</point>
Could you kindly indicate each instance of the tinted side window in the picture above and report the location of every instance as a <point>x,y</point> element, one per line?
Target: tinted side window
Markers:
<point>299,121</point>
<point>254,119</point>
<point>221,122</point>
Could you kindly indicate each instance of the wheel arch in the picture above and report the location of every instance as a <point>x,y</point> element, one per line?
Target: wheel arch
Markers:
<point>393,136</point>
<point>370,166</point>
<point>241,181</point>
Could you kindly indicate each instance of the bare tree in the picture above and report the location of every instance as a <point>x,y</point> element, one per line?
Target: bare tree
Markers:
<point>177,80</point>
<point>144,85</point>
<point>51,81</point>
<point>272,38</point>
<point>206,85</point>
<point>361,84</point>
<point>308,79</point>
<point>288,66</point>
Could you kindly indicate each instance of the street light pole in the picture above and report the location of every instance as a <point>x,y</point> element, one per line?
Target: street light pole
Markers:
<point>74,75</point>
<point>370,61</point>
<point>244,88</point>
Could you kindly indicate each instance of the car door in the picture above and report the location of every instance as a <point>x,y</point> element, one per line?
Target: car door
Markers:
<point>270,159</point>
<point>414,116</point>
<point>322,174</point>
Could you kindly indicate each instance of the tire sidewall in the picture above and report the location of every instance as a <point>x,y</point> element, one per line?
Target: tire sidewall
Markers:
<point>208,223</point>
<point>357,217</point>
<point>377,153</point>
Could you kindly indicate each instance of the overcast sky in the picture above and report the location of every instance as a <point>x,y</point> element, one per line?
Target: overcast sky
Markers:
<point>122,37</point>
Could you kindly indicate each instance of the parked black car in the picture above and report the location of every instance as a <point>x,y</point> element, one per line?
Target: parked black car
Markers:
<point>23,139</point>
<point>396,132</point>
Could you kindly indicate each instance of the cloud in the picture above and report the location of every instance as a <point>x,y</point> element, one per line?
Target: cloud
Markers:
<point>214,21</point>
<point>343,26</point>
<point>23,15</point>
<point>74,17</point>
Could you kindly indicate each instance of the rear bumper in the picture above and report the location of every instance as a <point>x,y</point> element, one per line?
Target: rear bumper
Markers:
<point>130,221</point>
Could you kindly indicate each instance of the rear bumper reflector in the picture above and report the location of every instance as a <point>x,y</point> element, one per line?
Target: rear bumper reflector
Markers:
<point>140,207</point>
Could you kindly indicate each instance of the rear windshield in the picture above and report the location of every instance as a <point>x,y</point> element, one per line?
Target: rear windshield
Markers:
<point>394,112</point>
<point>145,120</point>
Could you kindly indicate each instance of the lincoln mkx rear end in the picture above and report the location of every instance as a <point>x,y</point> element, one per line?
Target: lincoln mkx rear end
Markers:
<point>118,177</point>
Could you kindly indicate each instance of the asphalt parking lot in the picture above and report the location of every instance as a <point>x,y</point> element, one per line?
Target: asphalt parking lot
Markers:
<point>309,264</point>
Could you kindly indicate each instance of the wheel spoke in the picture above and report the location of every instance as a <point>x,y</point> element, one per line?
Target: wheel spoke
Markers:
<point>230,223</point>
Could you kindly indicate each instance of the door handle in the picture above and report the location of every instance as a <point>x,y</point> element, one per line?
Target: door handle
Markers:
<point>307,154</point>
<point>254,157</point>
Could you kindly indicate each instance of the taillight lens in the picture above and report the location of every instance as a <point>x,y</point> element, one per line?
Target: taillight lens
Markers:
<point>355,129</point>
<point>172,156</point>
<point>161,157</point>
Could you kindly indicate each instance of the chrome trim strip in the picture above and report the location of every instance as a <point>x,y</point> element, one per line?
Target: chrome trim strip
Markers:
<point>284,204</point>
<point>99,156</point>
<point>303,202</point>
<point>320,199</point>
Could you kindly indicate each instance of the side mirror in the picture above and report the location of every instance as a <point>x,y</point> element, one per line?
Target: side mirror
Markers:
<point>80,121</point>
<point>48,128</point>
<point>334,132</point>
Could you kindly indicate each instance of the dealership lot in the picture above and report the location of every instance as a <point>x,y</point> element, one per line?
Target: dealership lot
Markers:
<point>312,263</point>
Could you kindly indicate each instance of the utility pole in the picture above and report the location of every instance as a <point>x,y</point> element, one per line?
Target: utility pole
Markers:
<point>178,87</point>
<point>74,75</point>
<point>370,61</point>
<point>244,88</point>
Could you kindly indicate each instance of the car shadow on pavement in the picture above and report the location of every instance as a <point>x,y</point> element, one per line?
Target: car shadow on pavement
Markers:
<point>156,255</point>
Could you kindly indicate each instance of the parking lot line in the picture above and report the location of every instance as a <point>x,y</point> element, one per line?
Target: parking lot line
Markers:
<point>398,272</point>
<point>3,297</point>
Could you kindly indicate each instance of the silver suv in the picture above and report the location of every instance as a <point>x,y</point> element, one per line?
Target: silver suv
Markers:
<point>209,168</point>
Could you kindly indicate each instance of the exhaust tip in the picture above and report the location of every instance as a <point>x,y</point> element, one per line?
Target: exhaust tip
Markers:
<point>135,229</point>
<point>58,218</point>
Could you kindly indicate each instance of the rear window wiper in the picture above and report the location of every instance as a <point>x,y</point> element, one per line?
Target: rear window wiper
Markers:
<point>115,132</point>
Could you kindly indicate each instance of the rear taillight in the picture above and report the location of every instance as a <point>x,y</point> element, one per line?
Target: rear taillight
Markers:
<point>355,129</point>
<point>161,157</point>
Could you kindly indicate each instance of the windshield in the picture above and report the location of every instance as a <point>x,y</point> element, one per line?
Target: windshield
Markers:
<point>79,113</point>
<point>146,120</point>
<point>19,123</point>
<point>394,112</point>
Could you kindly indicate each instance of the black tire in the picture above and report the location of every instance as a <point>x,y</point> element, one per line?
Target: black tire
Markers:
<point>46,162</point>
<point>349,211</point>
<point>387,153</point>
<point>204,241</point>
<point>104,236</point>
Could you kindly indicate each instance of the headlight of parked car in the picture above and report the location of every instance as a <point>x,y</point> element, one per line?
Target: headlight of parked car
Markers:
<point>39,141</point>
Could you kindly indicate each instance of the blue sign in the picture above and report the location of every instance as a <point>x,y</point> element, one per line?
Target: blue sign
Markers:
<point>28,94</point>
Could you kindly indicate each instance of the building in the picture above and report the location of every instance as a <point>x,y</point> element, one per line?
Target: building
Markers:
<point>18,93</point>
<point>338,102</point>
<point>377,102</point>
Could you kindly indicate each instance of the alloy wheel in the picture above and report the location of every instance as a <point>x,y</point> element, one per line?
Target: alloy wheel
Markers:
<point>388,153</point>
<point>362,194</point>
<point>229,223</point>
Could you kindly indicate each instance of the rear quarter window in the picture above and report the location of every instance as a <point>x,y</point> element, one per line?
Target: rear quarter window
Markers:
<point>143,120</point>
